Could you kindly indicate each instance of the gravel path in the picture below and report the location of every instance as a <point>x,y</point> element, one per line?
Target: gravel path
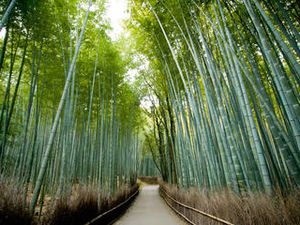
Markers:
<point>149,209</point>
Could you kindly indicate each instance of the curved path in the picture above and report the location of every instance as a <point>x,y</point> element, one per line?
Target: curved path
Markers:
<point>149,209</point>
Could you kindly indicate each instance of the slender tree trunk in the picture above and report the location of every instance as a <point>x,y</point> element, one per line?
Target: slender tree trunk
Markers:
<point>5,104</point>
<point>3,49</point>
<point>7,13</point>
<point>17,87</point>
<point>45,159</point>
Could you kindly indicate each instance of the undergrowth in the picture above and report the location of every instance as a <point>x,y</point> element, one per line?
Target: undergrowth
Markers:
<point>84,204</point>
<point>13,210</point>
<point>252,209</point>
<point>149,179</point>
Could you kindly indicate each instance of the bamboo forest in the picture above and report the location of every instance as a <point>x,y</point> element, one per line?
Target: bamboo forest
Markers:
<point>189,115</point>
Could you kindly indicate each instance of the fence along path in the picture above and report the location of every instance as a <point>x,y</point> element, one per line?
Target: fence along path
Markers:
<point>149,209</point>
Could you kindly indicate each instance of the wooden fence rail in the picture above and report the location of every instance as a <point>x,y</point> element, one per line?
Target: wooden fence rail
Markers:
<point>111,211</point>
<point>165,195</point>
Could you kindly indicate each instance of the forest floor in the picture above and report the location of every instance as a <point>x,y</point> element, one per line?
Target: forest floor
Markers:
<point>148,209</point>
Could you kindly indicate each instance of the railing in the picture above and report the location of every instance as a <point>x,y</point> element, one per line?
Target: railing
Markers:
<point>98,218</point>
<point>165,195</point>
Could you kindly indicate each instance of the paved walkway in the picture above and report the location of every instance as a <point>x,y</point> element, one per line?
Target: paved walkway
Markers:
<point>149,209</point>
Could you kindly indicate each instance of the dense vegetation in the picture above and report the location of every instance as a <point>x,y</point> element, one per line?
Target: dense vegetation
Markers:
<point>67,116</point>
<point>225,75</point>
<point>221,78</point>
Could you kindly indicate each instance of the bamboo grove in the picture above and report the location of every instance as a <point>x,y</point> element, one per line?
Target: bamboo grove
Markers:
<point>67,115</point>
<point>223,77</point>
<point>221,80</point>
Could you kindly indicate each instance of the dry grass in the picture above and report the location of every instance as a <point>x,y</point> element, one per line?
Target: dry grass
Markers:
<point>82,205</point>
<point>85,204</point>
<point>253,209</point>
<point>78,209</point>
<point>149,179</point>
<point>12,210</point>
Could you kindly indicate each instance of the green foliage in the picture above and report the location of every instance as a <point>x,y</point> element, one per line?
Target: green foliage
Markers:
<point>228,105</point>
<point>96,139</point>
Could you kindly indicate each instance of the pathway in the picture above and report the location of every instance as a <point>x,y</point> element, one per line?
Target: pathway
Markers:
<point>149,209</point>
